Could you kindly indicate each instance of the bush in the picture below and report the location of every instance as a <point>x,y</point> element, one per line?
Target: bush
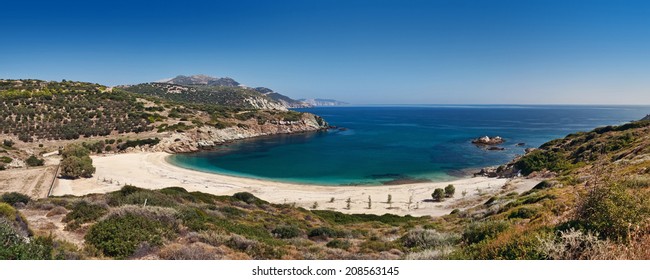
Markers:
<point>34,161</point>
<point>438,195</point>
<point>339,244</point>
<point>286,232</point>
<point>479,231</point>
<point>322,232</point>
<point>8,143</point>
<point>83,212</point>
<point>428,238</point>
<point>120,236</point>
<point>247,197</point>
<point>574,244</point>
<point>75,167</point>
<point>14,197</point>
<point>6,159</point>
<point>522,213</point>
<point>7,212</point>
<point>611,210</point>
<point>16,247</point>
<point>450,190</point>
<point>539,160</point>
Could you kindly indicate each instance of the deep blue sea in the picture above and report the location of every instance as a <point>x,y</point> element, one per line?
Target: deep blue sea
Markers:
<point>384,144</point>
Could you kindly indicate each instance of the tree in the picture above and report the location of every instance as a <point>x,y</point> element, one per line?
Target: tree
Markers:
<point>438,195</point>
<point>76,162</point>
<point>34,161</point>
<point>450,190</point>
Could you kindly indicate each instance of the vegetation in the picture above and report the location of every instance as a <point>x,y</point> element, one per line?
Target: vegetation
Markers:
<point>438,195</point>
<point>34,161</point>
<point>14,197</point>
<point>76,162</point>
<point>450,190</point>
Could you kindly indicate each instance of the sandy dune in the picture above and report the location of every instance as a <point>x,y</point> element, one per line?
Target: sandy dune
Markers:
<point>151,170</point>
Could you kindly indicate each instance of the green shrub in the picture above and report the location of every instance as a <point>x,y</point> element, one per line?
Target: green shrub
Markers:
<point>323,233</point>
<point>8,143</point>
<point>15,247</point>
<point>83,212</point>
<point>522,213</point>
<point>6,159</point>
<point>286,232</point>
<point>247,197</point>
<point>195,219</point>
<point>34,161</point>
<point>14,197</point>
<point>339,244</point>
<point>7,212</point>
<point>540,159</point>
<point>438,195</point>
<point>450,190</point>
<point>479,231</point>
<point>75,167</point>
<point>342,218</point>
<point>611,211</point>
<point>120,236</point>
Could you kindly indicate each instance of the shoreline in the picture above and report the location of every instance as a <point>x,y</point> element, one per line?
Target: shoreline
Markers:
<point>150,170</point>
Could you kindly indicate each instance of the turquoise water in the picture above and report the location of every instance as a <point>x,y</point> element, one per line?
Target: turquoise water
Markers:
<point>392,144</point>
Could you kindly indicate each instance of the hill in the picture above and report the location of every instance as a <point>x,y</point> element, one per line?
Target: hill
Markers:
<point>216,87</point>
<point>37,117</point>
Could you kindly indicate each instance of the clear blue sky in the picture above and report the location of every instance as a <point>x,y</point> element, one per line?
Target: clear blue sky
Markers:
<point>391,52</point>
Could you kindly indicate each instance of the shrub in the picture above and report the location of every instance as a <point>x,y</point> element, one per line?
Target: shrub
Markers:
<point>34,161</point>
<point>522,213</point>
<point>8,143</point>
<point>7,212</point>
<point>438,195</point>
<point>610,210</point>
<point>428,238</point>
<point>339,244</point>
<point>75,167</point>
<point>83,212</point>
<point>286,232</point>
<point>322,233</point>
<point>574,244</point>
<point>247,197</point>
<point>450,190</point>
<point>14,197</point>
<point>16,247</point>
<point>539,160</point>
<point>479,231</point>
<point>6,159</point>
<point>120,236</point>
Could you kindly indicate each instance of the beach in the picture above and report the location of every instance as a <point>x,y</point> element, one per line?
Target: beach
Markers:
<point>150,170</point>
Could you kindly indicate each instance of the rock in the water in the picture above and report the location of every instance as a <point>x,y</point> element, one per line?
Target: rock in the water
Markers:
<point>486,140</point>
<point>521,144</point>
<point>496,149</point>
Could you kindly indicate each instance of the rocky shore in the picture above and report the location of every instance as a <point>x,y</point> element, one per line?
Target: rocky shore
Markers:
<point>206,137</point>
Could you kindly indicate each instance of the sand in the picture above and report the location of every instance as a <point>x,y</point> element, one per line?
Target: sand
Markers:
<point>152,171</point>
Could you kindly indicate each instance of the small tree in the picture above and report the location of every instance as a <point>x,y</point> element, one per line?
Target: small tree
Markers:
<point>34,161</point>
<point>369,202</point>
<point>76,162</point>
<point>450,190</point>
<point>438,195</point>
<point>348,202</point>
<point>315,205</point>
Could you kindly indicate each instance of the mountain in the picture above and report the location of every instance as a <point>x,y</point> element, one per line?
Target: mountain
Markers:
<point>238,97</point>
<point>318,102</point>
<point>204,80</point>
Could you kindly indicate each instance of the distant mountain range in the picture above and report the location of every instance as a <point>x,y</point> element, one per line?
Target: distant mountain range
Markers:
<point>318,102</point>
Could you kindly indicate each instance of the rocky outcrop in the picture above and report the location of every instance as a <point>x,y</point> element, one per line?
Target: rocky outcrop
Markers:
<point>486,140</point>
<point>206,137</point>
<point>646,118</point>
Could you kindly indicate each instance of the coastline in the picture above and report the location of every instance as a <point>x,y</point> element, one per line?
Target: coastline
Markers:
<point>150,170</point>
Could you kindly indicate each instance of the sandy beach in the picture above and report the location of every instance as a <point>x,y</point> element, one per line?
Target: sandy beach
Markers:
<point>152,171</point>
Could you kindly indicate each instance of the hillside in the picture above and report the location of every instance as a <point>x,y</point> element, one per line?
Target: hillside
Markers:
<point>226,86</point>
<point>216,95</point>
<point>38,117</point>
<point>593,204</point>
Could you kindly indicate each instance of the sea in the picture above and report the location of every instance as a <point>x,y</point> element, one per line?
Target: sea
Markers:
<point>379,145</point>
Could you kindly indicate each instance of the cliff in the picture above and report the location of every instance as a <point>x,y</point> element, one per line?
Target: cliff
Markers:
<point>210,136</point>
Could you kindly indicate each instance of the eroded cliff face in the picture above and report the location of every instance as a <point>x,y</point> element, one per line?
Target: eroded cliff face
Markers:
<point>206,137</point>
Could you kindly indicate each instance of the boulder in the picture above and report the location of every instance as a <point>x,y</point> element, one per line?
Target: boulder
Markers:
<point>486,140</point>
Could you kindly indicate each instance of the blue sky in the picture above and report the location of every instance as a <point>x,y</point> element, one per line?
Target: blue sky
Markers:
<point>364,52</point>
